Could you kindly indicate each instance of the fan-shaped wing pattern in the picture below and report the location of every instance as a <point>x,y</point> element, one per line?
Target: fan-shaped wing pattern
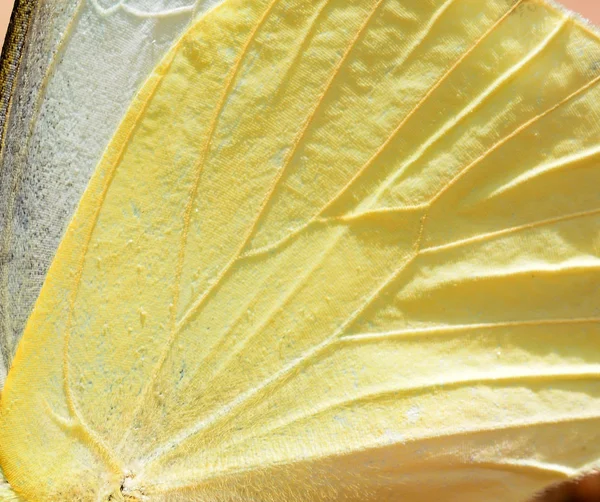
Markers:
<point>336,250</point>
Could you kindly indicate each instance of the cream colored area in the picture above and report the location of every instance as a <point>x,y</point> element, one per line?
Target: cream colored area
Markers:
<point>335,251</point>
<point>84,62</point>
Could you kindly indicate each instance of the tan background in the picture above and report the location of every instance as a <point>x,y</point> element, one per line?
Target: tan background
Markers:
<point>588,8</point>
<point>5,8</point>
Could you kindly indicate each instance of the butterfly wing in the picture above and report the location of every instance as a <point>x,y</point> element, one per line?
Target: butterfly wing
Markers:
<point>336,250</point>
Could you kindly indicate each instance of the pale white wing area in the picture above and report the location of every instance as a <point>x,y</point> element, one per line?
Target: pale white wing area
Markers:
<point>82,65</point>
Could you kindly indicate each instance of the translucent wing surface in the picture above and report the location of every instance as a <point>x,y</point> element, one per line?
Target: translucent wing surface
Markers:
<point>337,250</point>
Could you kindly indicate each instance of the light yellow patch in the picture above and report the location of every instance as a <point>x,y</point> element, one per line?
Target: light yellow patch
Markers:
<point>337,250</point>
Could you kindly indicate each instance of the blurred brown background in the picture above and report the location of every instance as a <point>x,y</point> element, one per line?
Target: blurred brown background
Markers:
<point>587,490</point>
<point>588,8</point>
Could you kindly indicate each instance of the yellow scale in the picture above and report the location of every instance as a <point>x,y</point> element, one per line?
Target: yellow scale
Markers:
<point>336,250</point>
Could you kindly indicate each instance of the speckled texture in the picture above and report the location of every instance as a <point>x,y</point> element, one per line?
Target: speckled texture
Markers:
<point>12,52</point>
<point>82,63</point>
<point>337,250</point>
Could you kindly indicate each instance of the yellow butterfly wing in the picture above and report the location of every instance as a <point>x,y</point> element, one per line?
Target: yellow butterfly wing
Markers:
<point>335,251</point>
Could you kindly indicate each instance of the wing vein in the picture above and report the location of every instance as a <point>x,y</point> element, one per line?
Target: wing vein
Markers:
<point>506,377</point>
<point>512,135</point>
<point>450,330</point>
<point>451,433</point>
<point>18,175</point>
<point>189,208</point>
<point>292,235</point>
<point>568,162</point>
<point>417,107</point>
<point>249,234</point>
<point>508,231</point>
<point>245,398</point>
<point>276,308</point>
<point>472,107</point>
<point>96,443</point>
